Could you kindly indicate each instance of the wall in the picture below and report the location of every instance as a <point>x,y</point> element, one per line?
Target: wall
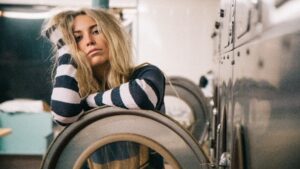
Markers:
<point>172,34</point>
<point>175,35</point>
<point>49,2</point>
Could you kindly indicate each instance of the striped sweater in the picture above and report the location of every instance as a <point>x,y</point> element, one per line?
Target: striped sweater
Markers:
<point>144,90</point>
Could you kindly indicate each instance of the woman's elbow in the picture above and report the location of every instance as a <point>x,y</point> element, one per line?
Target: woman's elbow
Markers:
<point>64,120</point>
<point>146,103</point>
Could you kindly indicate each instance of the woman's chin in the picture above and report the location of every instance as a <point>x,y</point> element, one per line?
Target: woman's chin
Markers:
<point>99,63</point>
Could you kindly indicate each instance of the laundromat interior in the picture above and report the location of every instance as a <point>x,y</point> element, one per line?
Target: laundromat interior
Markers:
<point>229,99</point>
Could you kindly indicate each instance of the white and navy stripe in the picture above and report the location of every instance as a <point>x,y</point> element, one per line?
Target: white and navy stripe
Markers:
<point>135,94</point>
<point>65,98</point>
<point>145,90</point>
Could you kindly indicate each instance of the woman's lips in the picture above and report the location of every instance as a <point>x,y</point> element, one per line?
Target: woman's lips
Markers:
<point>94,51</point>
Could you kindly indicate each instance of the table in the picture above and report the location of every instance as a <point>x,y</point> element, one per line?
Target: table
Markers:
<point>5,131</point>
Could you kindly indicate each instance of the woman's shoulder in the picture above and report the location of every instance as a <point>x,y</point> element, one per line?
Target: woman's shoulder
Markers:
<point>146,66</point>
<point>146,69</point>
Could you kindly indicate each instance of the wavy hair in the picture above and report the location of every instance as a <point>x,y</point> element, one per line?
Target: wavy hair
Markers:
<point>119,43</point>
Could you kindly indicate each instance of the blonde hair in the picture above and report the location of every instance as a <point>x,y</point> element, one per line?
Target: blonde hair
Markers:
<point>119,43</point>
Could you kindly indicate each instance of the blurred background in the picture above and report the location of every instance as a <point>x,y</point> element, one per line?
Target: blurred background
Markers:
<point>174,35</point>
<point>231,99</point>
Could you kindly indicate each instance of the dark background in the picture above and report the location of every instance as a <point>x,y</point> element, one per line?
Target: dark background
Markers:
<point>25,66</point>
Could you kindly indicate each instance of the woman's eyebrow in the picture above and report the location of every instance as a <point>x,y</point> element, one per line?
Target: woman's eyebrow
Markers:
<point>93,26</point>
<point>90,27</point>
<point>78,31</point>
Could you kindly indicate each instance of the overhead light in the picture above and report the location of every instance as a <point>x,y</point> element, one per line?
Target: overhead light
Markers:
<point>25,15</point>
<point>34,15</point>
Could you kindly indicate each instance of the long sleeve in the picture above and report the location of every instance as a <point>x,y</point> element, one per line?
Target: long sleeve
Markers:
<point>144,91</point>
<point>65,99</point>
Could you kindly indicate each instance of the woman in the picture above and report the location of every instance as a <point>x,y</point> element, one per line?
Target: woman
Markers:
<point>95,67</point>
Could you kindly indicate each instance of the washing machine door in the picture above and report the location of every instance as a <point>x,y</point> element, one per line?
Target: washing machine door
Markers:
<point>186,103</point>
<point>102,126</point>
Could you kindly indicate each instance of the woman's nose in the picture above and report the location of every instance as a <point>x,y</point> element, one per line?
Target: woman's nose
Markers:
<point>90,40</point>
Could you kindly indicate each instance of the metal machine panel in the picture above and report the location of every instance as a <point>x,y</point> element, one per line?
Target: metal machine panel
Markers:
<point>267,101</point>
<point>225,95</point>
<point>276,12</point>
<point>227,21</point>
<point>262,125</point>
<point>247,21</point>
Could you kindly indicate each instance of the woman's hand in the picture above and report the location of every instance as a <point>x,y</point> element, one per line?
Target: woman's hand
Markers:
<point>55,36</point>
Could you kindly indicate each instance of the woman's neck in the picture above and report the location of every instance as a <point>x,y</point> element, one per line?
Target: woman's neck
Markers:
<point>100,72</point>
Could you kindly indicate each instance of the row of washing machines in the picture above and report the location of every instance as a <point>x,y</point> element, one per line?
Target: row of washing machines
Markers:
<point>251,121</point>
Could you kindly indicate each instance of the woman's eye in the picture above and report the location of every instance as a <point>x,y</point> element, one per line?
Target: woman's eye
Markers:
<point>95,32</point>
<point>78,38</point>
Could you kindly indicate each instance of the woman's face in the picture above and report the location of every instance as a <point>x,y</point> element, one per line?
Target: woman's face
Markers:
<point>90,40</point>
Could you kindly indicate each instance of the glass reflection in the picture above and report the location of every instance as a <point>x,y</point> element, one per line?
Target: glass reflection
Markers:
<point>125,155</point>
<point>179,110</point>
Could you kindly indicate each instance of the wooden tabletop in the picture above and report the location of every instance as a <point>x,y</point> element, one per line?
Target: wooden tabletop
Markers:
<point>5,131</point>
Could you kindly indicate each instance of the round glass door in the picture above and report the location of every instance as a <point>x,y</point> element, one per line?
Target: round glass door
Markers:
<point>148,131</point>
